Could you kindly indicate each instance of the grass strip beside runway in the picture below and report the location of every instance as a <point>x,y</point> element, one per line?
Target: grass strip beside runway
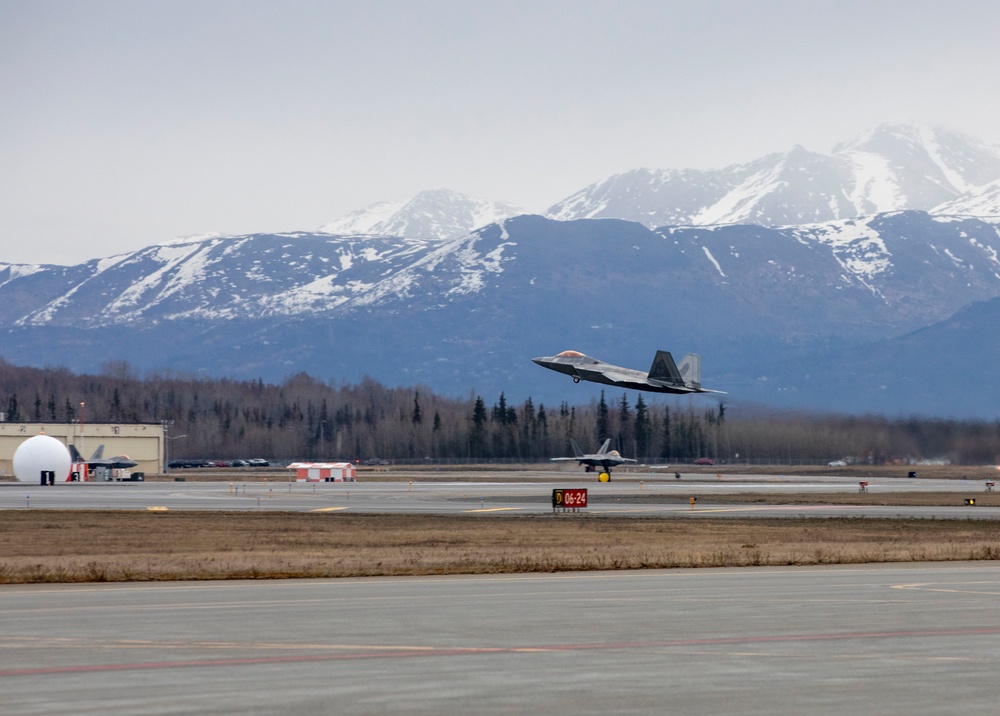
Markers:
<point>116,546</point>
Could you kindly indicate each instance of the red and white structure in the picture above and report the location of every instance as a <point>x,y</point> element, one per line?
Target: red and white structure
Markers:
<point>79,469</point>
<point>324,471</point>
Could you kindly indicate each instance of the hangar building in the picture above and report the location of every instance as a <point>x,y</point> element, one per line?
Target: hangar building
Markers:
<point>142,442</point>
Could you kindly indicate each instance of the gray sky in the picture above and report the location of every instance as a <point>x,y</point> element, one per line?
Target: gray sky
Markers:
<point>130,123</point>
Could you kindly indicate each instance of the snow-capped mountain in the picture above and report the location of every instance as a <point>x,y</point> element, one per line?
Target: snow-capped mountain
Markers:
<point>893,167</point>
<point>438,213</point>
<point>883,258</point>
<point>469,313</point>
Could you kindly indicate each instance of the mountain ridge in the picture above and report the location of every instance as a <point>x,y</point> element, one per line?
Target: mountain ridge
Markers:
<point>894,166</point>
<point>758,303</point>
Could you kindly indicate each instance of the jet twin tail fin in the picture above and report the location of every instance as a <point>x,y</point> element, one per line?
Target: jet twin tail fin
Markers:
<point>691,370</point>
<point>77,457</point>
<point>579,453</point>
<point>664,369</point>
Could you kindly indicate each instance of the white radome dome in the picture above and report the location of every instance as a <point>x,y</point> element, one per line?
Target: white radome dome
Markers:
<point>39,453</point>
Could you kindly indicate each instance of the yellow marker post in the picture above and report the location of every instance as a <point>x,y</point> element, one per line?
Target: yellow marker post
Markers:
<point>693,500</point>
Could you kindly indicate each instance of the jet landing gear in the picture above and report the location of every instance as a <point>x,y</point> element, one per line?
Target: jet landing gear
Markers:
<point>576,379</point>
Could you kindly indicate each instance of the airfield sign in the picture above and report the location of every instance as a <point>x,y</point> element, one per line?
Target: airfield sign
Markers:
<point>569,498</point>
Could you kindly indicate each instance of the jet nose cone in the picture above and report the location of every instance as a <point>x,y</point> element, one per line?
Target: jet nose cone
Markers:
<point>541,360</point>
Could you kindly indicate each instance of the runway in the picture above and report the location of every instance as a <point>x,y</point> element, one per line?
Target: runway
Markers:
<point>887,639</point>
<point>656,495</point>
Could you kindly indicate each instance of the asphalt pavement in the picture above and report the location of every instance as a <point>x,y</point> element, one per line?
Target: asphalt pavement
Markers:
<point>519,493</point>
<point>885,639</point>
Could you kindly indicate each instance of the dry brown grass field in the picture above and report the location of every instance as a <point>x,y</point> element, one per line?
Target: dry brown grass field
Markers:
<point>86,546</point>
<point>114,546</point>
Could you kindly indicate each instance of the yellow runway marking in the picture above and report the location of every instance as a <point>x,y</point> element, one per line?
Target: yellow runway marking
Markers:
<point>704,511</point>
<point>495,509</point>
<point>930,587</point>
<point>729,509</point>
<point>328,509</point>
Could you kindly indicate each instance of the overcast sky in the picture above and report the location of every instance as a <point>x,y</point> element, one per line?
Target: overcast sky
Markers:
<point>125,124</point>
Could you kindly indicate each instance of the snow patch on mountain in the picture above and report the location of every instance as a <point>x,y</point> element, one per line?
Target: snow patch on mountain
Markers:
<point>182,266</point>
<point>856,246</point>
<point>931,143</point>
<point>12,272</point>
<point>983,201</point>
<point>714,261</point>
<point>320,292</point>
<point>875,187</point>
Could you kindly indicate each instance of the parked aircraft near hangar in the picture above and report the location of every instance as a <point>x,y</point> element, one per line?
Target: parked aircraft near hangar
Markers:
<point>119,462</point>
<point>664,375</point>
<point>602,458</point>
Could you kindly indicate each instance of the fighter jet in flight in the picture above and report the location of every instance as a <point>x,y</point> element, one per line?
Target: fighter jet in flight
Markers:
<point>664,375</point>
<point>602,458</point>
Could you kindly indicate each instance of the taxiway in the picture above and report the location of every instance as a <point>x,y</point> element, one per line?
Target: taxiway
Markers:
<point>656,495</point>
<point>888,639</point>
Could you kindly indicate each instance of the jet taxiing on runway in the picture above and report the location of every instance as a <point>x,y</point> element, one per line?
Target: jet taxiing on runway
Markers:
<point>664,375</point>
<point>119,462</point>
<point>602,458</point>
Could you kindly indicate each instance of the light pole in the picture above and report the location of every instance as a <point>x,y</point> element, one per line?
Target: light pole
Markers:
<point>322,435</point>
<point>166,444</point>
<point>82,431</point>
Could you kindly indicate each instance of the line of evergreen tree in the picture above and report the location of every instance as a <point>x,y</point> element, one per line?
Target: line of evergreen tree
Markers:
<point>304,418</point>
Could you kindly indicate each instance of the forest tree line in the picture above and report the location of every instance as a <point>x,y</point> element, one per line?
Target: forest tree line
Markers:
<point>303,418</point>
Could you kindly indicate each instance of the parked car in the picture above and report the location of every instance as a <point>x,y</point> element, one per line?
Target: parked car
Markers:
<point>704,461</point>
<point>257,462</point>
<point>837,463</point>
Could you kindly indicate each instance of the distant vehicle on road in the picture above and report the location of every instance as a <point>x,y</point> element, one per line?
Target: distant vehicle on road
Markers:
<point>837,463</point>
<point>704,461</point>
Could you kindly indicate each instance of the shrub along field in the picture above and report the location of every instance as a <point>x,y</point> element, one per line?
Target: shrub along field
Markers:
<point>115,546</point>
